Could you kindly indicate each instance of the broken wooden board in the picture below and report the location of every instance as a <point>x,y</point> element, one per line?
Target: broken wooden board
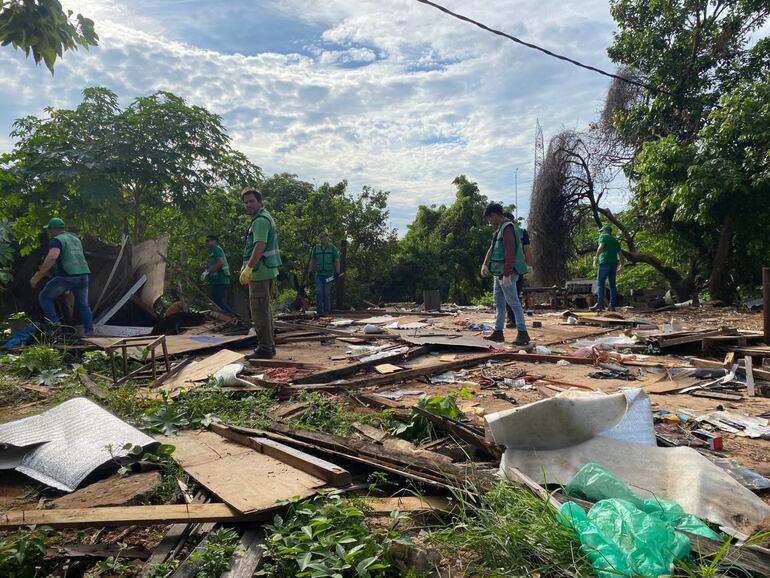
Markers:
<point>195,373</point>
<point>131,516</point>
<point>448,340</point>
<point>98,551</point>
<point>248,555</point>
<point>386,368</point>
<point>410,504</point>
<point>247,480</point>
<point>604,319</point>
<point>312,465</point>
<point>179,344</point>
<point>113,491</point>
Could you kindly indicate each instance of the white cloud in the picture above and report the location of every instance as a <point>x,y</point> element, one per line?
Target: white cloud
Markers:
<point>394,95</point>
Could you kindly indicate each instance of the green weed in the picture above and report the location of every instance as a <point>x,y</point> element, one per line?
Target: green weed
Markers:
<point>324,414</point>
<point>327,536</point>
<point>116,566</point>
<point>35,359</point>
<point>419,429</point>
<point>22,552</point>
<point>217,553</point>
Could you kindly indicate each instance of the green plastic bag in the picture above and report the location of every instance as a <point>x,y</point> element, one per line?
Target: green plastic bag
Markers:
<point>623,534</point>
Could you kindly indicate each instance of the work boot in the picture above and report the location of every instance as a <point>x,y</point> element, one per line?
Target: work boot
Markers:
<point>496,336</point>
<point>260,354</point>
<point>510,324</point>
<point>597,307</point>
<point>522,338</point>
<point>611,308</point>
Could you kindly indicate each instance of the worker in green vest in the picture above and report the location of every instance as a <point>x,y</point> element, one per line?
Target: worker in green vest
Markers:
<point>261,259</point>
<point>609,261</point>
<point>505,261</point>
<point>217,272</point>
<point>325,262</point>
<point>70,273</point>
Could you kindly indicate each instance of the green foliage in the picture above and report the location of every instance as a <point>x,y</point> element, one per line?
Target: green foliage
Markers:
<point>327,536</point>
<point>42,26</point>
<point>35,360</point>
<point>419,429</point>
<point>511,532</point>
<point>96,362</point>
<point>22,552</point>
<point>7,253</point>
<point>51,377</point>
<point>217,553</point>
<point>116,566</point>
<point>324,414</point>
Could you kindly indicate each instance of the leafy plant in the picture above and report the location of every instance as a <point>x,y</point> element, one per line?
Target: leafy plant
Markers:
<point>217,553</point>
<point>36,359</point>
<point>327,536</point>
<point>419,429</point>
<point>97,362</point>
<point>117,566</point>
<point>166,420</point>
<point>22,553</point>
<point>324,414</point>
<point>50,377</point>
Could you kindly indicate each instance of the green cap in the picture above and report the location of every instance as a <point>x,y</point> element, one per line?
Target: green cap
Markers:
<point>607,228</point>
<point>55,223</point>
<point>323,234</point>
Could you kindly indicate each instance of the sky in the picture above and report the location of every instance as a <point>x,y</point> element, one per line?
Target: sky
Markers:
<point>387,93</point>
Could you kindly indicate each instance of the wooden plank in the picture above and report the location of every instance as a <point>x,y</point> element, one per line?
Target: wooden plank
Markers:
<point>283,363</point>
<point>113,491</point>
<point>404,375</point>
<point>110,313</point>
<point>729,360</point>
<point>98,551</point>
<point>342,372</point>
<point>461,431</point>
<point>92,387</point>
<point>312,465</point>
<point>749,376</point>
<point>751,558</point>
<point>131,516</point>
<point>201,370</point>
<point>410,504</point>
<point>191,565</point>
<point>707,393</point>
<point>247,480</point>
<point>386,368</point>
<point>692,338</point>
<point>249,555</point>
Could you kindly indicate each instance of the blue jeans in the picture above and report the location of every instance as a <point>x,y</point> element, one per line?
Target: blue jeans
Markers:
<point>507,295</point>
<point>607,271</point>
<point>219,296</point>
<point>323,295</point>
<point>78,286</point>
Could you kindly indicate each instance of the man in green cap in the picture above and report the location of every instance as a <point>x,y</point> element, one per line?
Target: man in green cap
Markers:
<point>325,262</point>
<point>609,259</point>
<point>261,259</point>
<point>217,272</point>
<point>71,273</point>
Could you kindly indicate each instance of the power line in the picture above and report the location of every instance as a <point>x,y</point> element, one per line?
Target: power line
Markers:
<point>541,49</point>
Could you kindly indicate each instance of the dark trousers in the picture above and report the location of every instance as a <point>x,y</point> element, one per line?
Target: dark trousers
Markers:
<point>219,296</point>
<point>607,272</point>
<point>78,286</point>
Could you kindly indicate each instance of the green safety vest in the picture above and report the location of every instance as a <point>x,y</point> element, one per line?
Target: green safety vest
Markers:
<point>272,255</point>
<point>222,275</point>
<point>497,261</point>
<point>324,259</point>
<point>71,261</point>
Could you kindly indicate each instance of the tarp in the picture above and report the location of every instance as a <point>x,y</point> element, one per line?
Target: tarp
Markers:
<point>64,445</point>
<point>551,440</point>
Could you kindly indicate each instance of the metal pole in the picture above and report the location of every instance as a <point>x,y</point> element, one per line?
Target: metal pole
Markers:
<point>766,303</point>
<point>516,191</point>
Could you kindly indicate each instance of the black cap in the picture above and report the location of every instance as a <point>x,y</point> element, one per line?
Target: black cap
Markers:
<point>493,209</point>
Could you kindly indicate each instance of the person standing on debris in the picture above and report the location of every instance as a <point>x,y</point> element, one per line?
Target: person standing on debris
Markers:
<point>505,261</point>
<point>609,260</point>
<point>71,273</point>
<point>325,262</point>
<point>524,239</point>
<point>261,259</point>
<point>217,272</point>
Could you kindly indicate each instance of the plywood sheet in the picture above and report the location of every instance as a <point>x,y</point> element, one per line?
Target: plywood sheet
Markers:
<point>149,258</point>
<point>178,344</point>
<point>201,370</point>
<point>243,478</point>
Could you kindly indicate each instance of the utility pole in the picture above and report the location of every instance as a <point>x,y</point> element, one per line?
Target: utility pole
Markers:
<point>516,191</point>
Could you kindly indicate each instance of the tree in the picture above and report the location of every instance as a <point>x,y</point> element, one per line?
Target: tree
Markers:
<point>696,53</point>
<point>42,27</point>
<point>110,171</point>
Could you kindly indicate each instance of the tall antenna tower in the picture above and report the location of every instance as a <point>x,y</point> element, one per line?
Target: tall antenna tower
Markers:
<point>539,151</point>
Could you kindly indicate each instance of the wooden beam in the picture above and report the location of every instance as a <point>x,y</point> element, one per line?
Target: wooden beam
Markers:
<point>407,374</point>
<point>131,515</point>
<point>249,554</point>
<point>410,504</point>
<point>340,372</point>
<point>312,465</point>
<point>92,387</point>
<point>749,376</point>
<point>283,363</point>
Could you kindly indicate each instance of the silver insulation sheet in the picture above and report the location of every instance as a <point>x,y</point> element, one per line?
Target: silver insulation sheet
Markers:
<point>62,446</point>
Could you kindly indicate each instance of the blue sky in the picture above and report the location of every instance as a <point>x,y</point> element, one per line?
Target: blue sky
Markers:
<point>386,93</point>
